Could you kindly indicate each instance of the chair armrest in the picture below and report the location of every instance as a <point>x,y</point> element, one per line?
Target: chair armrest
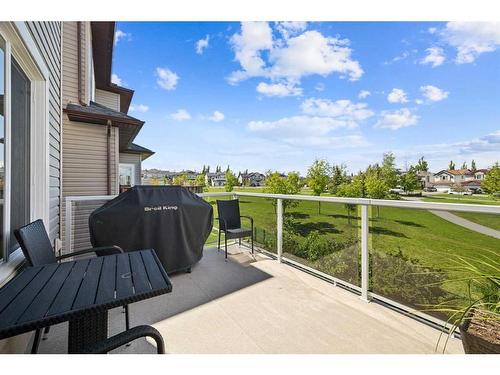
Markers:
<point>248,217</point>
<point>99,251</point>
<point>123,338</point>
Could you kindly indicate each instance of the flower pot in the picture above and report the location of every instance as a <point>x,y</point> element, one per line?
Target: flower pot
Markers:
<point>475,343</point>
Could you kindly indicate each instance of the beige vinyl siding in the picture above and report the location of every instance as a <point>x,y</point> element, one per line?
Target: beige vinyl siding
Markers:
<point>108,99</point>
<point>133,159</point>
<point>70,61</point>
<point>47,36</point>
<point>85,171</point>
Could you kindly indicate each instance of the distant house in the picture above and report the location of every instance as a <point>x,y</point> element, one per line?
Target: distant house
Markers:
<point>426,178</point>
<point>480,174</point>
<point>445,179</point>
<point>253,179</point>
<point>453,176</point>
<point>215,179</point>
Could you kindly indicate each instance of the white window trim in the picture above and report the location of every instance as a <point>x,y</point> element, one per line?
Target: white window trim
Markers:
<point>21,46</point>
<point>133,181</point>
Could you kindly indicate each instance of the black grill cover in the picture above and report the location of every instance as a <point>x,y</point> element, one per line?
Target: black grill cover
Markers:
<point>170,219</point>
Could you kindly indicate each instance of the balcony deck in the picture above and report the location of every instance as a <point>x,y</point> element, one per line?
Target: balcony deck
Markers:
<point>256,305</point>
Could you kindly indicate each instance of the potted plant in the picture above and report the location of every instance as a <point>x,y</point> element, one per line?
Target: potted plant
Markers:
<point>476,316</point>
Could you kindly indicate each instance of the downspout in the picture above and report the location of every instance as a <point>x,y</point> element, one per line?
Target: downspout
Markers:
<point>79,58</point>
<point>108,156</point>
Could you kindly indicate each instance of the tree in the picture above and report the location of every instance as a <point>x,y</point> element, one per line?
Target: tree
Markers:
<point>275,183</point>
<point>464,165</point>
<point>451,166</point>
<point>409,181</point>
<point>317,178</point>
<point>231,180</point>
<point>200,180</point>
<point>473,166</point>
<point>180,179</point>
<point>338,177</point>
<point>376,188</point>
<point>354,189</point>
<point>491,183</point>
<point>388,170</point>
<point>422,165</point>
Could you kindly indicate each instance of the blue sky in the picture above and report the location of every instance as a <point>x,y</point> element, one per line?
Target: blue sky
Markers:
<point>270,95</point>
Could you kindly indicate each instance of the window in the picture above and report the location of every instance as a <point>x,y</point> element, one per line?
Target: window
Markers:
<point>24,135</point>
<point>127,175</point>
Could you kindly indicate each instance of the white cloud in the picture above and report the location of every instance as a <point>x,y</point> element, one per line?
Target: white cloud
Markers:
<point>202,44</point>
<point>181,115</point>
<point>138,108</point>
<point>278,89</point>
<point>397,119</point>
<point>486,143</point>
<point>404,55</point>
<point>364,94</point>
<point>301,53</point>
<point>397,96</point>
<point>471,39</point>
<point>432,30</point>
<point>435,57</point>
<point>298,126</point>
<point>288,28</point>
<point>343,110</point>
<point>116,80</point>
<point>320,86</point>
<point>120,35</point>
<point>433,93</point>
<point>166,78</point>
<point>217,116</point>
<point>253,38</point>
<point>312,53</point>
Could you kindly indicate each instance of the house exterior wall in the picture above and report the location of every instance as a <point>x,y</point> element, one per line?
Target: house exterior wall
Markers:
<point>47,36</point>
<point>85,171</point>
<point>108,99</point>
<point>47,39</point>
<point>70,62</point>
<point>133,159</point>
<point>84,165</point>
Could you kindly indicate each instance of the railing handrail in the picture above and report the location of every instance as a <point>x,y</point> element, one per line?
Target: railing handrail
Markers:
<point>461,207</point>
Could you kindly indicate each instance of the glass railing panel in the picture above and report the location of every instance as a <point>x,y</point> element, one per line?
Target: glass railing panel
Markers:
<point>325,237</point>
<point>212,239</point>
<point>418,257</point>
<point>263,212</point>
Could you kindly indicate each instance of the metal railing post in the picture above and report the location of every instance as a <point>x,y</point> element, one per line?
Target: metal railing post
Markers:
<point>279,227</point>
<point>365,272</point>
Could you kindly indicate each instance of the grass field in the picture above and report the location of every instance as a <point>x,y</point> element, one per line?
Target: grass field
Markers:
<point>488,220</point>
<point>405,238</point>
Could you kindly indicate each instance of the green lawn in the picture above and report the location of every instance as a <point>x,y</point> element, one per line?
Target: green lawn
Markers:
<point>404,239</point>
<point>488,220</point>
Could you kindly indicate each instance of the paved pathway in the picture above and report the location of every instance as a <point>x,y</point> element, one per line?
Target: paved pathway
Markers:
<point>467,223</point>
<point>452,218</point>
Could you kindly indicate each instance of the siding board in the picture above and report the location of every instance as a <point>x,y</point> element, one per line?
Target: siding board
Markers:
<point>47,39</point>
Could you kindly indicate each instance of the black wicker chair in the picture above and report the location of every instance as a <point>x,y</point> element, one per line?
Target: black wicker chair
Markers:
<point>125,338</point>
<point>230,222</point>
<point>38,251</point>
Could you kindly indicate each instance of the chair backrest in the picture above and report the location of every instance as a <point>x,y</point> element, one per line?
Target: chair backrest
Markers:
<point>229,210</point>
<point>35,244</point>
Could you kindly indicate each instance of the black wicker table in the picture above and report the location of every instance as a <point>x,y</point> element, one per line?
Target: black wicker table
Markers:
<point>81,292</point>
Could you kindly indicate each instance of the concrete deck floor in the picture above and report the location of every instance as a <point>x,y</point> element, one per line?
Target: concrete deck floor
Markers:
<point>256,305</point>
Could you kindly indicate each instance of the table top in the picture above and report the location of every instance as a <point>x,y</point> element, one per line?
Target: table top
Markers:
<point>42,296</point>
